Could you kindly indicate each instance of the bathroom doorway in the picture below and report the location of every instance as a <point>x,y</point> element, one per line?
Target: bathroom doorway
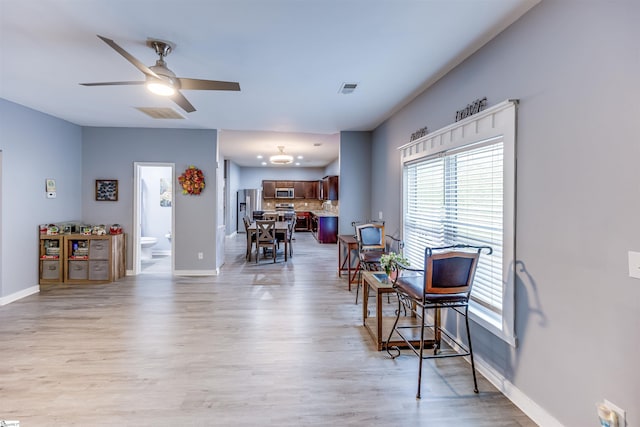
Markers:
<point>154,218</point>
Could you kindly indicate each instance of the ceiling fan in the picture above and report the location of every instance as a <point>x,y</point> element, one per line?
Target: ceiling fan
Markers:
<point>161,80</point>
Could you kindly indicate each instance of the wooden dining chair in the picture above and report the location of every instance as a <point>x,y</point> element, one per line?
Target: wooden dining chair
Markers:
<point>291,224</point>
<point>251,237</point>
<point>266,238</point>
<point>270,216</point>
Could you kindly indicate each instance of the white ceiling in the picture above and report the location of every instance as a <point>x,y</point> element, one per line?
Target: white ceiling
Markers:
<point>289,56</point>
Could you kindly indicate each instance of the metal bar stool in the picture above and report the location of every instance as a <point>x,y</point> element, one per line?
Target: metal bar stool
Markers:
<point>444,283</point>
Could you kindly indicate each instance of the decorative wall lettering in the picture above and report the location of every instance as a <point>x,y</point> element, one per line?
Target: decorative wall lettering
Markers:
<point>471,109</point>
<point>418,134</point>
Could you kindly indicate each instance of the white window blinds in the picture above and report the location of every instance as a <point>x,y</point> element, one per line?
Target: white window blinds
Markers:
<point>454,198</point>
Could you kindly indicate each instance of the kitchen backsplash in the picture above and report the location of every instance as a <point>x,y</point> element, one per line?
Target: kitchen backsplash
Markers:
<point>304,205</point>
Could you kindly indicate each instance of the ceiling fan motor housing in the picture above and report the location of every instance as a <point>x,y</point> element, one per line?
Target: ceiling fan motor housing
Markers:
<point>165,74</point>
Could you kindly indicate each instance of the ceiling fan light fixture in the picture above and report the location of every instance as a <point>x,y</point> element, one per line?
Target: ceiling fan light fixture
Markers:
<point>160,88</point>
<point>163,86</point>
<point>281,159</point>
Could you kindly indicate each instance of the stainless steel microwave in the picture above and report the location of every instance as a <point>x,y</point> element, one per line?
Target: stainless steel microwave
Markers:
<point>284,193</point>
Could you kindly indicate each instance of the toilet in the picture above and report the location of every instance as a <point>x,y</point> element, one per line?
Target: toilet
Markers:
<point>146,243</point>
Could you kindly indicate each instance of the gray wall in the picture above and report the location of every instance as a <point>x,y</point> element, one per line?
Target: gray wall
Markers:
<point>34,146</point>
<point>332,168</point>
<point>355,179</point>
<point>109,153</point>
<point>574,65</point>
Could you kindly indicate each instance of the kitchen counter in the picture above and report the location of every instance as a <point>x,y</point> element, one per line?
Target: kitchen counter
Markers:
<point>324,213</point>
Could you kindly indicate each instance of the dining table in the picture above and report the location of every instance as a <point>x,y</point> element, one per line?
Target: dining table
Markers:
<point>280,227</point>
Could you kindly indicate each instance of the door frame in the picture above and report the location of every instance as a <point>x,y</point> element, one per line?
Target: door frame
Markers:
<point>137,212</point>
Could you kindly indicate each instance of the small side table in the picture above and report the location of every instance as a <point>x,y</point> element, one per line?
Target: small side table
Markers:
<point>380,326</point>
<point>349,243</point>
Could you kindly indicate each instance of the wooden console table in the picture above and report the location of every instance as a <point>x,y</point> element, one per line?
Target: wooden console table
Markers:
<point>348,242</point>
<point>379,326</point>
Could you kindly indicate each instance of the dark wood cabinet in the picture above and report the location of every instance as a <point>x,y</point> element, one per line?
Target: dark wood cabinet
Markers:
<point>330,187</point>
<point>268,189</point>
<point>301,189</point>
<point>298,190</point>
<point>324,228</point>
<point>310,189</point>
<point>327,229</point>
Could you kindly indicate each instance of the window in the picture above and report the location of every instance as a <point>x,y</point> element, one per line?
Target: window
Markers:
<point>459,188</point>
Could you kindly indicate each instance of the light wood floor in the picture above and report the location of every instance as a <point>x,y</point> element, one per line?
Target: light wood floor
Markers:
<point>258,345</point>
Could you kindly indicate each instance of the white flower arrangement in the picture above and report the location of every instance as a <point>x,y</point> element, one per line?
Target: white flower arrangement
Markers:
<point>387,261</point>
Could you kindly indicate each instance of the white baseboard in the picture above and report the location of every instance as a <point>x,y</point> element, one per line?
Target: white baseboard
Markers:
<point>534,411</point>
<point>19,295</point>
<point>511,392</point>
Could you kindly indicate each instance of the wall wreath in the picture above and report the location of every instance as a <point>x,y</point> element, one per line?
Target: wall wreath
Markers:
<point>192,181</point>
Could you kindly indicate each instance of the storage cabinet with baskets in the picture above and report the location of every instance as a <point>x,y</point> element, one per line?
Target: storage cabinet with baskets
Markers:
<point>82,258</point>
<point>51,257</point>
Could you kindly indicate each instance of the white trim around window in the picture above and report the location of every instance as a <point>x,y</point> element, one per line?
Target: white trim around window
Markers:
<point>495,123</point>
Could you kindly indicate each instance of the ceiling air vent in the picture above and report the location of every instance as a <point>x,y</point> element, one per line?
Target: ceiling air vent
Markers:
<point>160,113</point>
<point>347,88</point>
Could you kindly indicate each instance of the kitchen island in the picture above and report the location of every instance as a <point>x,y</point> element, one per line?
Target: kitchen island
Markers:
<point>324,225</point>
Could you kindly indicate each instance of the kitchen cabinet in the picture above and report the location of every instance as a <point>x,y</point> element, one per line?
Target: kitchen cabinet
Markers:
<point>310,189</point>
<point>298,190</point>
<point>268,189</point>
<point>330,187</point>
<point>324,228</point>
<point>301,189</point>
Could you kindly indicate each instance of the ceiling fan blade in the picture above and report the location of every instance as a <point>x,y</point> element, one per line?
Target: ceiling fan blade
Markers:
<point>179,99</point>
<point>112,84</point>
<point>139,65</point>
<point>197,84</point>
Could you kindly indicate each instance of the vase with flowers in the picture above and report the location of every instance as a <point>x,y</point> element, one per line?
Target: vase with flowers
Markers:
<point>391,263</point>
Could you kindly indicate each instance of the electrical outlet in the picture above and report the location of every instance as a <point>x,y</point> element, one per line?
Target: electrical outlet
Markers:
<point>200,255</point>
<point>620,413</point>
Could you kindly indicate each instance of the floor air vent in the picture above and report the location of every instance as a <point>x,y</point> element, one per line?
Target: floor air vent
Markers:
<point>161,113</point>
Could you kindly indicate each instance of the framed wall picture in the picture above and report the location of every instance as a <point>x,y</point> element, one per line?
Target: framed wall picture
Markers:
<point>107,190</point>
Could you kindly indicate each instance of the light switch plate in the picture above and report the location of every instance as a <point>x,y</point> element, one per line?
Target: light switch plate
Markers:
<point>51,195</point>
<point>634,264</point>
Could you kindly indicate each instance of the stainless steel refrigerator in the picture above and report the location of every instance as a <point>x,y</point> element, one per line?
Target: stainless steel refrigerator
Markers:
<point>248,201</point>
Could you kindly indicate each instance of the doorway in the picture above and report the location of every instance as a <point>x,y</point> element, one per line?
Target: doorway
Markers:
<point>154,218</point>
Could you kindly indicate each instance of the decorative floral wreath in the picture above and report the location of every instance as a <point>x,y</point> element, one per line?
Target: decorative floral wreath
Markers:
<point>192,181</point>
